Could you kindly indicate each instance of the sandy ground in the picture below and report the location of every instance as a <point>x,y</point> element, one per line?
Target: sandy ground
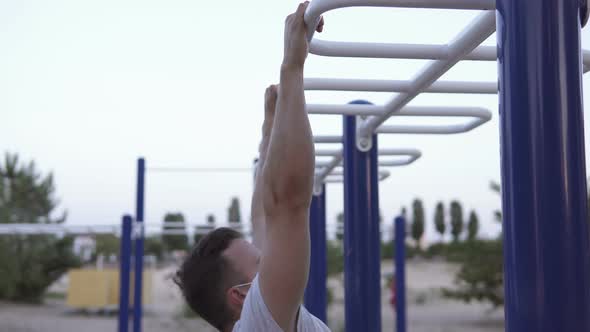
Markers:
<point>427,312</point>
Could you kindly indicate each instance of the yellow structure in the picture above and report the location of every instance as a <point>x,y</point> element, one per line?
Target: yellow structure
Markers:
<point>100,288</point>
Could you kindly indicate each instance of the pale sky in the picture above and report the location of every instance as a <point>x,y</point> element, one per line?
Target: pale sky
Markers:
<point>86,87</point>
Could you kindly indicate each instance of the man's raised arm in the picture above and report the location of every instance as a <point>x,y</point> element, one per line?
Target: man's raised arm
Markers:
<point>257,207</point>
<point>287,185</point>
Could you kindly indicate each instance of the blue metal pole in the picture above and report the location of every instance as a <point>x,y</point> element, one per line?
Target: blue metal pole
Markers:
<point>546,238</point>
<point>362,243</point>
<point>400,273</point>
<point>315,293</point>
<point>124,270</point>
<point>138,286</point>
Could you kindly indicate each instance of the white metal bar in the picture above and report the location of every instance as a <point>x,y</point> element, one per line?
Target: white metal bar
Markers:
<point>329,167</point>
<point>338,176</point>
<point>395,51</point>
<point>325,169</point>
<point>327,139</point>
<point>477,31</point>
<point>346,109</point>
<point>336,84</point>
<point>480,116</point>
<point>327,153</point>
<point>318,7</point>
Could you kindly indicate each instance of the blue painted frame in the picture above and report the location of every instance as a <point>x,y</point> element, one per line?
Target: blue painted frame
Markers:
<point>400,273</point>
<point>124,273</point>
<point>546,237</point>
<point>316,293</point>
<point>362,243</point>
<point>138,285</point>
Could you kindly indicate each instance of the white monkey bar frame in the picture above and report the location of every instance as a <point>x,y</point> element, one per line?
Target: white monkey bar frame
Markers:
<point>465,46</point>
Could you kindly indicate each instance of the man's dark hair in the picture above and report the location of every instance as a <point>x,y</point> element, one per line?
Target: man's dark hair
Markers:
<point>205,275</point>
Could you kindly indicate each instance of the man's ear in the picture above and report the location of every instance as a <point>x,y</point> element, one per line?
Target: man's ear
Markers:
<point>235,298</point>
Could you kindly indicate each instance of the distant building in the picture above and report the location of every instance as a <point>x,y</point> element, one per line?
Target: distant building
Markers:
<point>84,247</point>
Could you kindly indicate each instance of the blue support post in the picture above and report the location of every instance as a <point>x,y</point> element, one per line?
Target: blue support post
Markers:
<point>138,286</point>
<point>315,293</point>
<point>400,273</point>
<point>546,238</point>
<point>362,243</point>
<point>124,271</point>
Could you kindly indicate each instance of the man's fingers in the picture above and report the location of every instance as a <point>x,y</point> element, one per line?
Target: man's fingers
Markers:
<point>301,8</point>
<point>320,26</point>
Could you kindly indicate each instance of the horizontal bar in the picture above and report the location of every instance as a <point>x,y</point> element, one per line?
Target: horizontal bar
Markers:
<point>366,109</point>
<point>327,139</point>
<point>336,84</point>
<point>328,167</point>
<point>199,169</point>
<point>395,51</point>
<point>33,229</point>
<point>480,116</point>
<point>345,109</point>
<point>338,177</point>
<point>477,31</point>
<point>318,7</point>
<point>327,153</point>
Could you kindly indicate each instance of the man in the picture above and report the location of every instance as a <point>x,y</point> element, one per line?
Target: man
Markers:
<point>240,287</point>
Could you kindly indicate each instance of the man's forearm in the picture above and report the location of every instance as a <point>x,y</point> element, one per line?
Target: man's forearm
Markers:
<point>288,172</point>
<point>257,207</point>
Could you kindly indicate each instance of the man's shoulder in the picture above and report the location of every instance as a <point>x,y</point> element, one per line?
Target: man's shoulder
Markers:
<point>309,323</point>
<point>255,315</point>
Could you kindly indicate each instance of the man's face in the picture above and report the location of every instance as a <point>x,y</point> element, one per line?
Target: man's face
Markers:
<point>244,258</point>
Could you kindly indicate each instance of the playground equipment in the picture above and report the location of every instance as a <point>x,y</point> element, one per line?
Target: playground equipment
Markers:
<point>99,289</point>
<point>543,173</point>
<point>547,269</point>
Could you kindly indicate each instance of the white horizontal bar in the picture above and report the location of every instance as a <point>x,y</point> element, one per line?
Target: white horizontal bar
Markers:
<point>338,176</point>
<point>364,110</point>
<point>31,229</point>
<point>327,139</point>
<point>395,51</point>
<point>328,167</point>
<point>318,7</point>
<point>336,84</point>
<point>327,153</point>
<point>480,115</point>
<point>477,31</point>
<point>345,109</point>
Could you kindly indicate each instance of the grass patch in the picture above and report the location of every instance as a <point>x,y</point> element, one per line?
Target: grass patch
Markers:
<point>55,296</point>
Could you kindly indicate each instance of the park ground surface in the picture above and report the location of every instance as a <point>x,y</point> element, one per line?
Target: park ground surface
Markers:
<point>427,310</point>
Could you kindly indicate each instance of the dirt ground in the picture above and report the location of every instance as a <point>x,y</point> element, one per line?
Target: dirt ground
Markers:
<point>427,311</point>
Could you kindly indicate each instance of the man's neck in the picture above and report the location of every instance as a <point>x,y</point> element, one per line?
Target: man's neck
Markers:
<point>229,327</point>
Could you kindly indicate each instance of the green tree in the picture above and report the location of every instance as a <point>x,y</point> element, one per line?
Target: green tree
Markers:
<point>107,245</point>
<point>472,226</point>
<point>176,223</point>
<point>495,187</point>
<point>201,230</point>
<point>340,226</point>
<point>417,221</point>
<point>30,263</point>
<point>439,219</point>
<point>481,275</point>
<point>153,245</point>
<point>234,216</point>
<point>456,220</point>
